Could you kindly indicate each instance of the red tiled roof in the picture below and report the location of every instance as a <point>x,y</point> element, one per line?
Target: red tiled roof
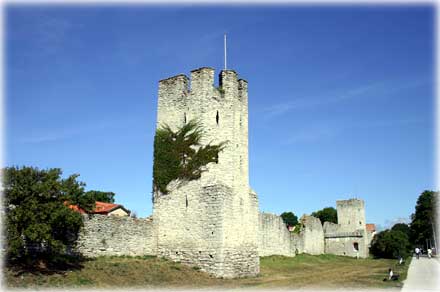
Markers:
<point>371,227</point>
<point>77,209</point>
<point>100,208</point>
<point>104,208</point>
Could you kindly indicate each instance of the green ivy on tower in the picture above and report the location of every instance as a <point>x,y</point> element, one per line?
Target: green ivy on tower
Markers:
<point>180,155</point>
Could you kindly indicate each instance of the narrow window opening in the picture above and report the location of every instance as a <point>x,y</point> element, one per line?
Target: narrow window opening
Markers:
<point>186,201</point>
<point>217,118</point>
<point>184,118</point>
<point>360,222</point>
<point>216,158</point>
<point>211,256</point>
<point>356,246</point>
<point>212,232</point>
<point>177,252</point>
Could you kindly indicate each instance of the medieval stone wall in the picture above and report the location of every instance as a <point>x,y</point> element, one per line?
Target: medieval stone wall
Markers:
<point>114,235</point>
<point>351,244</point>
<point>274,238</point>
<point>311,236</point>
<point>349,237</point>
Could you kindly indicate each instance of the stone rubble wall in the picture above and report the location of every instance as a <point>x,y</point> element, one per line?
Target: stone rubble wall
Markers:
<point>274,238</point>
<point>339,241</point>
<point>312,236</point>
<point>344,245</point>
<point>115,235</point>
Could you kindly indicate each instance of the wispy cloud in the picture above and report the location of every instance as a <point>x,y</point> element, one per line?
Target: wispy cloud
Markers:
<point>84,130</point>
<point>313,134</point>
<point>323,131</point>
<point>378,88</point>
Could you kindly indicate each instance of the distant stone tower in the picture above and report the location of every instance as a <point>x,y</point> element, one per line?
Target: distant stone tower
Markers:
<point>349,237</point>
<point>211,222</point>
<point>351,214</point>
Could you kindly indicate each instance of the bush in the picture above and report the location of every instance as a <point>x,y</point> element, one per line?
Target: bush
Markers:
<point>390,244</point>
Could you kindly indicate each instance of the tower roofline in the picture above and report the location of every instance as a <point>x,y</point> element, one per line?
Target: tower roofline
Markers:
<point>202,68</point>
<point>228,70</point>
<point>174,77</point>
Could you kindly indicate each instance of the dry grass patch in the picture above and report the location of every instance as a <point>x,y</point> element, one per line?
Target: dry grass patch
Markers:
<point>326,271</point>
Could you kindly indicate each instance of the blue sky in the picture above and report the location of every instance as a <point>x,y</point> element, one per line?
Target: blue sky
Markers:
<point>341,98</point>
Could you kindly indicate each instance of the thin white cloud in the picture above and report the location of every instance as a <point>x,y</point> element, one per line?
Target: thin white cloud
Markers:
<point>373,89</point>
<point>51,135</point>
<point>319,132</point>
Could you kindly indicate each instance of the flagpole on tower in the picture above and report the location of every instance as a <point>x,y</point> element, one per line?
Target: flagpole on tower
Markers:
<point>225,51</point>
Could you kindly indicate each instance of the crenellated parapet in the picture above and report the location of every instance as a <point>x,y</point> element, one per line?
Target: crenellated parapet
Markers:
<point>179,88</point>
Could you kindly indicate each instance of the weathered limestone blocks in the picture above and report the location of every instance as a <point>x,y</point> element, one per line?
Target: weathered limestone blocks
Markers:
<point>311,236</point>
<point>274,238</point>
<point>114,235</point>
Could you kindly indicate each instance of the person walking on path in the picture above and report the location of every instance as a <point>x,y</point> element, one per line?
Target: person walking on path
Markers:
<point>417,250</point>
<point>429,253</point>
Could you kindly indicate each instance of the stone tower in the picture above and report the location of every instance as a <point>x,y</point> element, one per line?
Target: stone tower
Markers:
<point>211,222</point>
<point>351,214</point>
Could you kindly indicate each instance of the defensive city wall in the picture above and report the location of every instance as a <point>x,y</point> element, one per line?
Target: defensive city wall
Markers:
<point>213,222</point>
<point>113,235</point>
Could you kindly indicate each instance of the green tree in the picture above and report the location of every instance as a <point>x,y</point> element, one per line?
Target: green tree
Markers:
<point>328,214</point>
<point>423,219</point>
<point>180,154</point>
<point>106,197</point>
<point>289,218</point>
<point>390,244</point>
<point>38,222</point>
<point>403,228</point>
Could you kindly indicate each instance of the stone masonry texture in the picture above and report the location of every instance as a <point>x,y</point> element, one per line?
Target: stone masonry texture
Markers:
<point>114,235</point>
<point>213,222</point>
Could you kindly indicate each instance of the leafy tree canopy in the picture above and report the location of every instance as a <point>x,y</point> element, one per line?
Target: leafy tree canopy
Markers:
<point>390,244</point>
<point>328,214</point>
<point>402,227</point>
<point>37,218</point>
<point>423,219</point>
<point>107,197</point>
<point>289,218</point>
<point>180,154</point>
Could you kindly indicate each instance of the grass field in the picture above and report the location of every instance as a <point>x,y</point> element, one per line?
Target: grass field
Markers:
<point>302,271</point>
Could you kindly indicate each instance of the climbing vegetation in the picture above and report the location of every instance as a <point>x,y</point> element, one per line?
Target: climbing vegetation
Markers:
<point>180,155</point>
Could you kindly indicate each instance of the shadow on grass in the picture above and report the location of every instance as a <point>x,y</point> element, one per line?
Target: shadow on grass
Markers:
<point>46,264</point>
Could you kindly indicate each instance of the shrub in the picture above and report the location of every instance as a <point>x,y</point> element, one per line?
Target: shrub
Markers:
<point>390,244</point>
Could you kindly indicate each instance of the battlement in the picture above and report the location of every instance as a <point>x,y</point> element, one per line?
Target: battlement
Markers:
<point>201,84</point>
<point>350,203</point>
